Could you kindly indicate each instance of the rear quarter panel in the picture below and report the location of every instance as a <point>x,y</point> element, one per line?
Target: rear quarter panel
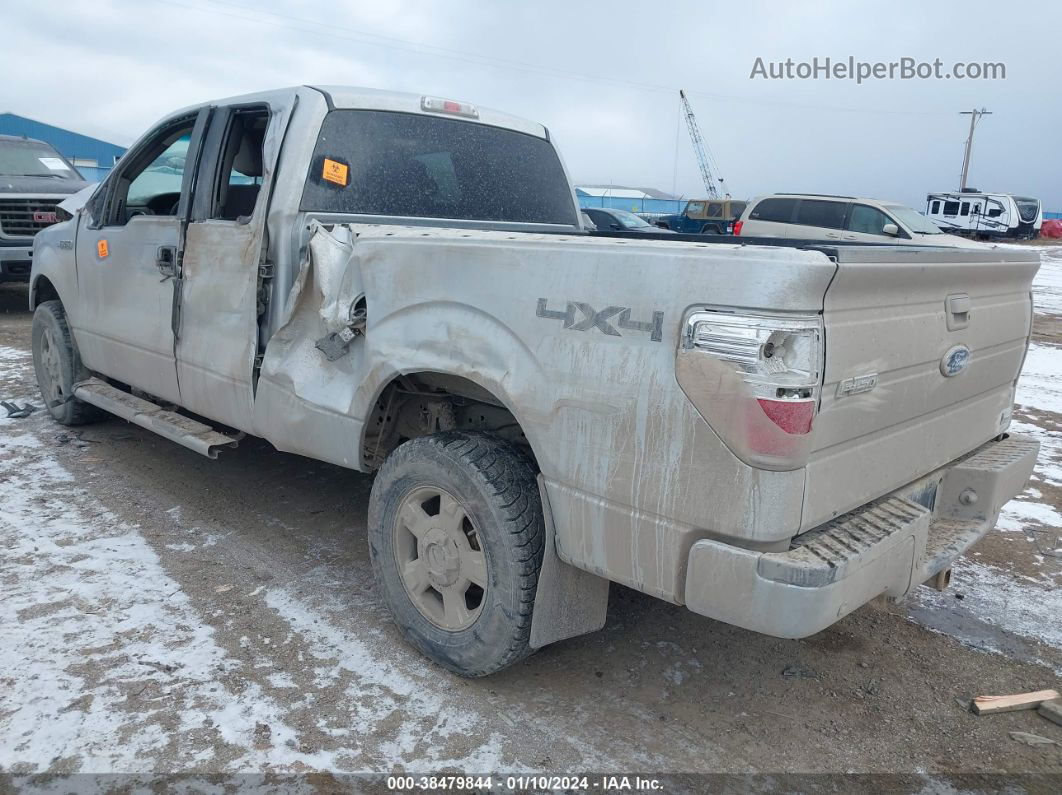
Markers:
<point>633,474</point>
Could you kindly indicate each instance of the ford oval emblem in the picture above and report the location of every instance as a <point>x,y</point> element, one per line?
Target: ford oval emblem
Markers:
<point>955,361</point>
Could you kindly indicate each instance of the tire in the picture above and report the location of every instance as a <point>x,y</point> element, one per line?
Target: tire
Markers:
<point>709,229</point>
<point>58,367</point>
<point>498,542</point>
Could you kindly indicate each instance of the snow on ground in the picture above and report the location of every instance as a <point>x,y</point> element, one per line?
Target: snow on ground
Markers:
<point>86,593</point>
<point>1047,286</point>
<point>1039,397</point>
<point>102,648</point>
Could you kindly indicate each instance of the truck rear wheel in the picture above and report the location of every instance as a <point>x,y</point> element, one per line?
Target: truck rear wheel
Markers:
<point>456,538</point>
<point>58,366</point>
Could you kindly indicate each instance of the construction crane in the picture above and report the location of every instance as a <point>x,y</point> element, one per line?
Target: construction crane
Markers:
<point>704,159</point>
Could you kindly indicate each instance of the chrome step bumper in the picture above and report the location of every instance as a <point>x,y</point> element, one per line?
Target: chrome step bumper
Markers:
<point>886,547</point>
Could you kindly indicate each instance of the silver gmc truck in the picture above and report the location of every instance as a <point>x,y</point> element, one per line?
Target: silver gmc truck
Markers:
<point>34,178</point>
<point>769,432</point>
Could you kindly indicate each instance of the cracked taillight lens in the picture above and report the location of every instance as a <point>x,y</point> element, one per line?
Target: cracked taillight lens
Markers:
<point>755,379</point>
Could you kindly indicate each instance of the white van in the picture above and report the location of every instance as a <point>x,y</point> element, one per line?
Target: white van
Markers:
<point>840,218</point>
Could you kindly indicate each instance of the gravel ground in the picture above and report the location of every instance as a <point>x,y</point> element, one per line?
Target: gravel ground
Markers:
<point>163,613</point>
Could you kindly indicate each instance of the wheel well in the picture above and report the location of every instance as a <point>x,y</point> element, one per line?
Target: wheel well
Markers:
<point>43,290</point>
<point>420,404</point>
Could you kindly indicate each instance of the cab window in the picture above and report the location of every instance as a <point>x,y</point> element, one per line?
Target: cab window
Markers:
<point>239,175</point>
<point>149,182</point>
<point>715,209</point>
<point>867,220</point>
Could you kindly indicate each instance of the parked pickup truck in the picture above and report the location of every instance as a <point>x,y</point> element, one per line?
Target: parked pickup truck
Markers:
<point>34,178</point>
<point>767,432</point>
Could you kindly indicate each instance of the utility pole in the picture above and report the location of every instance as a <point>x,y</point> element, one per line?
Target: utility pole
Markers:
<point>974,115</point>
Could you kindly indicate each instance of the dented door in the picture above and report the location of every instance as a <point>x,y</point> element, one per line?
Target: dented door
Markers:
<point>224,273</point>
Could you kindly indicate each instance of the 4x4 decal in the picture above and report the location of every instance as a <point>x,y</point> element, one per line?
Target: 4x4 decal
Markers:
<point>591,318</point>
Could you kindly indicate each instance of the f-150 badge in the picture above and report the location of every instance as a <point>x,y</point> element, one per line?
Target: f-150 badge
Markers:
<point>589,318</point>
<point>860,383</point>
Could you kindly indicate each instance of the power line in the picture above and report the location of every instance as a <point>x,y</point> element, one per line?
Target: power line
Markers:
<point>276,19</point>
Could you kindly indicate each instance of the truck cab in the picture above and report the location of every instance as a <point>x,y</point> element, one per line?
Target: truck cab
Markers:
<point>704,216</point>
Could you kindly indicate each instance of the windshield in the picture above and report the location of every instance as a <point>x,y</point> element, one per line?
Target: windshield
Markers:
<point>915,222</point>
<point>629,220</point>
<point>33,159</point>
<point>371,162</point>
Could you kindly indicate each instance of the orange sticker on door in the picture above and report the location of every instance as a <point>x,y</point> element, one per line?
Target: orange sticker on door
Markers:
<point>335,172</point>
<point>101,249</point>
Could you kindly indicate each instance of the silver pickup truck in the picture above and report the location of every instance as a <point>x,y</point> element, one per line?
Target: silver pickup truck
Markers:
<point>771,433</point>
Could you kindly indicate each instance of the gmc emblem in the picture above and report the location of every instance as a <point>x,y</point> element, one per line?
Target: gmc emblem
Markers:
<point>43,217</point>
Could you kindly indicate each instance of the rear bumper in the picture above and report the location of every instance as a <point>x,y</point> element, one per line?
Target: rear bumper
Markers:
<point>885,547</point>
<point>15,261</point>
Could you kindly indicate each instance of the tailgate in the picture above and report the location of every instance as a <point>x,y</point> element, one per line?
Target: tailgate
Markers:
<point>893,316</point>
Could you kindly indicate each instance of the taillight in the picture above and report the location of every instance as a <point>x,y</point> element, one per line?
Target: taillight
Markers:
<point>737,227</point>
<point>755,379</point>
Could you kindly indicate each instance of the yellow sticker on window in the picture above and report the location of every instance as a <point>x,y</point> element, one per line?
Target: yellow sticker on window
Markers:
<point>101,249</point>
<point>335,172</point>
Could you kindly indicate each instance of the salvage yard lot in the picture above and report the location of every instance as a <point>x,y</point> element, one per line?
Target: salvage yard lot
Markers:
<point>162,612</point>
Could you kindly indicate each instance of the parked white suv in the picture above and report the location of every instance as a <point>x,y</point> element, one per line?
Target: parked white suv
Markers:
<point>816,217</point>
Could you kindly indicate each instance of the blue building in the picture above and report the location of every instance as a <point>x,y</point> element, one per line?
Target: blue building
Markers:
<point>92,157</point>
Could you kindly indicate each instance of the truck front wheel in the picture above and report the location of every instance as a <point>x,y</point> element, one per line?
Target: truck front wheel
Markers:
<point>58,366</point>
<point>456,538</point>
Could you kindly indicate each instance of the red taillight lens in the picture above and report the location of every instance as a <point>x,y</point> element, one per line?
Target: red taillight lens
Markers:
<point>737,227</point>
<point>792,416</point>
<point>756,380</point>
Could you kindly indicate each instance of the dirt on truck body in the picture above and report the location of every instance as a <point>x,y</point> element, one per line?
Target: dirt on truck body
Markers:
<point>769,433</point>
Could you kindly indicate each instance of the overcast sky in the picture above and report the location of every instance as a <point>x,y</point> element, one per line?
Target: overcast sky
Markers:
<point>603,76</point>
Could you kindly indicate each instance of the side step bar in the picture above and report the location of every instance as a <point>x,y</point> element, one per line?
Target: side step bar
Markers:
<point>169,424</point>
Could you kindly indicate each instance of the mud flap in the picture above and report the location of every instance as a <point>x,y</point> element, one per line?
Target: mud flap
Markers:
<point>569,601</point>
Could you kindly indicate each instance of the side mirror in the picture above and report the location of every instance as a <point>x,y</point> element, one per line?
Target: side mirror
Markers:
<point>615,226</point>
<point>890,229</point>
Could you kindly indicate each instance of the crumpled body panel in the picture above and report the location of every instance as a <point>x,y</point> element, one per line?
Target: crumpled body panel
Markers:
<point>577,338</point>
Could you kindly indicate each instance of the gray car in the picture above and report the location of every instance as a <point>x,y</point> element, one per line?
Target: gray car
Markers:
<point>610,219</point>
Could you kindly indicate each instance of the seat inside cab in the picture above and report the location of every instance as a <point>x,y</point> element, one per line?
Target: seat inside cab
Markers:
<point>242,165</point>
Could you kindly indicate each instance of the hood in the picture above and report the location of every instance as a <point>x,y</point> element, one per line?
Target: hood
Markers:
<point>45,186</point>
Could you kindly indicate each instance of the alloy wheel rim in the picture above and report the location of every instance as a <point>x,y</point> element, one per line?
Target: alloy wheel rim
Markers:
<point>440,558</point>
<point>49,353</point>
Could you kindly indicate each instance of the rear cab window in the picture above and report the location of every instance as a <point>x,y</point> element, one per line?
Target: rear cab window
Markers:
<point>385,163</point>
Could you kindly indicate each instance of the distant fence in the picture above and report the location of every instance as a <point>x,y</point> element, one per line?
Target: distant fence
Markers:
<point>634,205</point>
<point>1055,216</point>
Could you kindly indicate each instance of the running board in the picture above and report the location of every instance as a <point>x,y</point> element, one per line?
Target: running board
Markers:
<point>169,424</point>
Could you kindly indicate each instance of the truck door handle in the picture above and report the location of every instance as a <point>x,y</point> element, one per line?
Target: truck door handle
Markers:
<point>166,261</point>
<point>957,308</point>
<point>832,235</point>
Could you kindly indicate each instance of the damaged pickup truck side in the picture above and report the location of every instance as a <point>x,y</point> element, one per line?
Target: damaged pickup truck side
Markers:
<point>771,433</point>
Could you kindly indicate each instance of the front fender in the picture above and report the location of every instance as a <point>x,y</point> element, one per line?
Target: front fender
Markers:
<point>53,260</point>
